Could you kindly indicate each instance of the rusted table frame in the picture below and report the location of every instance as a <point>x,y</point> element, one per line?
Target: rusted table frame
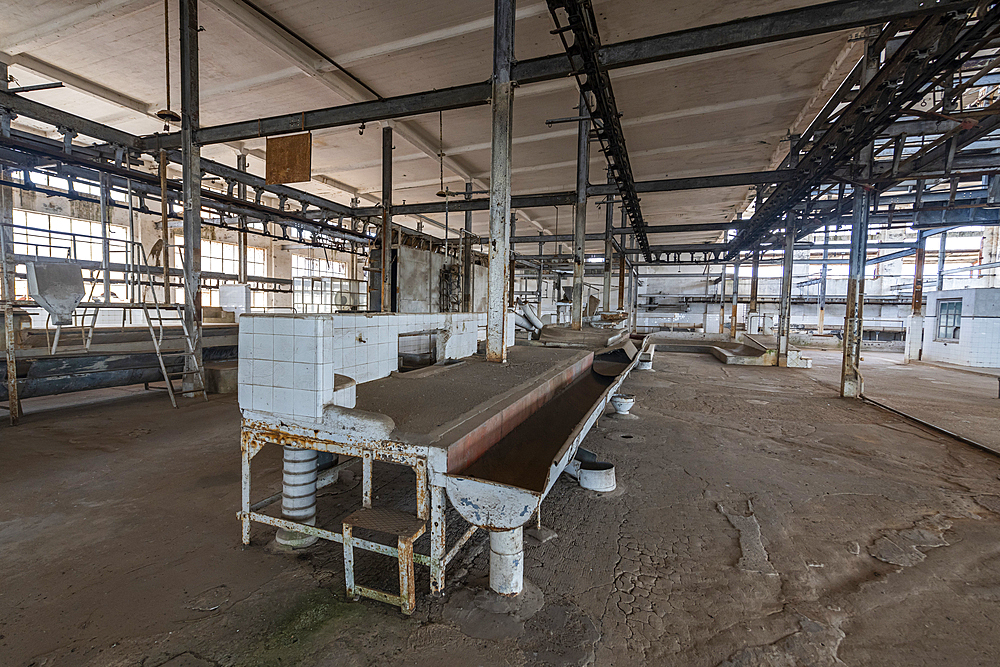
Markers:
<point>255,433</point>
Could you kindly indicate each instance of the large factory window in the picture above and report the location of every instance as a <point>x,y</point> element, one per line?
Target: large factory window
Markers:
<point>219,257</point>
<point>43,235</point>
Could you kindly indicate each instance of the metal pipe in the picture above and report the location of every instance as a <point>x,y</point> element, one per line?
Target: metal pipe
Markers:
<point>386,291</point>
<point>609,216</point>
<point>502,111</point>
<point>822,280</point>
<point>722,300</point>
<point>298,495</point>
<point>942,253</point>
<point>523,322</point>
<point>105,214</point>
<point>580,216</point>
<point>529,313</point>
<point>467,274</point>
<point>736,294</point>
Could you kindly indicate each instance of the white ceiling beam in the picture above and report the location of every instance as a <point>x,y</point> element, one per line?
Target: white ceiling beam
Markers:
<point>69,23</point>
<point>76,82</point>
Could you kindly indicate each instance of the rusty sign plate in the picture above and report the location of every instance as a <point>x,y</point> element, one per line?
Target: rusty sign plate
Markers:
<point>289,159</point>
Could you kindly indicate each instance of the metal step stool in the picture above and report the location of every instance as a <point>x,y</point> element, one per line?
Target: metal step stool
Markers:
<point>406,528</point>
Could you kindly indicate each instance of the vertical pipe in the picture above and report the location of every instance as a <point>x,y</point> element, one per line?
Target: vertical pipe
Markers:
<point>467,286</point>
<point>580,214</point>
<point>165,227</point>
<point>241,189</point>
<point>609,218</point>
<point>942,252</point>
<point>541,268</point>
<point>507,561</point>
<point>191,158</point>
<point>785,306</point>
<point>822,281</point>
<point>502,125</point>
<point>7,294</point>
<point>386,292</point>
<point>736,296</point>
<point>105,238</point>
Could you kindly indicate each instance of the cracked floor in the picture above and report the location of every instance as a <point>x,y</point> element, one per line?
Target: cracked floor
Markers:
<point>759,521</point>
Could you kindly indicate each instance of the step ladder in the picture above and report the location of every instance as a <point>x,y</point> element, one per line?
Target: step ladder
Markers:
<point>158,319</point>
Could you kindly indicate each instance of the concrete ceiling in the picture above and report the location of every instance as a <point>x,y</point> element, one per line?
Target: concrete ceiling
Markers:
<point>702,115</point>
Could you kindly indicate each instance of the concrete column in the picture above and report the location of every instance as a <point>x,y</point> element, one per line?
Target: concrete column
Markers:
<point>191,167</point>
<point>942,252</point>
<point>7,268</point>
<point>502,115</point>
<point>822,281</point>
<point>736,296</point>
<point>609,219</point>
<point>785,306</point>
<point>386,259</point>
<point>580,215</point>
<point>467,273</point>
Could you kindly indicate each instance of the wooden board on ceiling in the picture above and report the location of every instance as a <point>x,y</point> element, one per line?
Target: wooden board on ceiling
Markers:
<point>289,159</point>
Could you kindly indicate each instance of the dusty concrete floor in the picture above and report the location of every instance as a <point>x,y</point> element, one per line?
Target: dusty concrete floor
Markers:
<point>759,521</point>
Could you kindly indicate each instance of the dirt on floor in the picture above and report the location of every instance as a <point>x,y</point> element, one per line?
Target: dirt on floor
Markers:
<point>759,520</point>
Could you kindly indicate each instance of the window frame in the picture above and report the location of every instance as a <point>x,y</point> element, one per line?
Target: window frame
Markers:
<point>949,320</point>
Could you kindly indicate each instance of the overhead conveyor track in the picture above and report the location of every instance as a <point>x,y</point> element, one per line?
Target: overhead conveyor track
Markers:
<point>593,78</point>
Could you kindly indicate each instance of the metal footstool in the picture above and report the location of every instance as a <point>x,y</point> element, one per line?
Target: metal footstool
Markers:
<point>406,528</point>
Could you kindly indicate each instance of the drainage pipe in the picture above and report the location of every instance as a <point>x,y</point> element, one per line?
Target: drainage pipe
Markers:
<point>523,322</point>
<point>529,313</point>
<point>298,495</point>
<point>507,561</point>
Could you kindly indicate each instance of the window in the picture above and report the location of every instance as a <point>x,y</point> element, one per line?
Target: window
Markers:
<point>45,235</point>
<point>317,268</point>
<point>949,319</point>
<point>219,257</point>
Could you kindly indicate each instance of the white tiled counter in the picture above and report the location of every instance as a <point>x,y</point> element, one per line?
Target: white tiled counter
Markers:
<point>287,362</point>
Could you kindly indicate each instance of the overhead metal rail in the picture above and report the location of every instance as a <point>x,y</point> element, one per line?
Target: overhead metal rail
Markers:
<point>592,77</point>
<point>935,48</point>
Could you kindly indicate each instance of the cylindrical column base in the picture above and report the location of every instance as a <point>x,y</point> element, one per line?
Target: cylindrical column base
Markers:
<point>507,561</point>
<point>298,496</point>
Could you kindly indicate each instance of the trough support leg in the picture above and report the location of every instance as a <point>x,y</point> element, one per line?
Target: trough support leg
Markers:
<point>298,495</point>
<point>507,561</point>
<point>438,566</point>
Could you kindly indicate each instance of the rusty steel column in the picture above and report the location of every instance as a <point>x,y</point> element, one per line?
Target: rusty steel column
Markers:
<point>754,269</point>
<point>241,190</point>
<point>609,220</point>
<point>467,286</point>
<point>621,267</point>
<point>502,116</point>
<point>7,293</point>
<point>823,269</point>
<point>191,164</point>
<point>722,301</point>
<point>942,253</point>
<point>386,259</point>
<point>736,296</point>
<point>851,382</point>
<point>785,305</point>
<point>165,226</point>
<point>580,215</point>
